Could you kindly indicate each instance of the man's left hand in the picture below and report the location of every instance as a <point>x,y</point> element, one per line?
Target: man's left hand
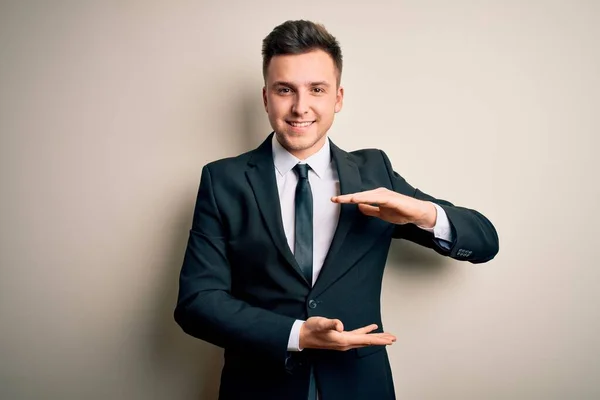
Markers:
<point>392,207</point>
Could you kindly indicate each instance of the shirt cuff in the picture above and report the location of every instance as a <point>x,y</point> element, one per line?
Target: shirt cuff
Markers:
<point>294,340</point>
<point>441,230</point>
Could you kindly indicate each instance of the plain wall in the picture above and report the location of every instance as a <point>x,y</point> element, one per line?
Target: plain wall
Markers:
<point>109,110</point>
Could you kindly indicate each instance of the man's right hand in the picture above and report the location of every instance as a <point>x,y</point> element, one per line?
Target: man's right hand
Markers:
<point>324,333</point>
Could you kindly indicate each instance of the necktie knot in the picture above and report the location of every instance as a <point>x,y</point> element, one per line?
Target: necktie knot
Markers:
<point>302,170</point>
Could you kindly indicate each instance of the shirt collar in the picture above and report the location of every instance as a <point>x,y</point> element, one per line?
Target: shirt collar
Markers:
<point>284,161</point>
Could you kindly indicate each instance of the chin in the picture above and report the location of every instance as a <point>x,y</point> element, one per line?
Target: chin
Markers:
<point>294,141</point>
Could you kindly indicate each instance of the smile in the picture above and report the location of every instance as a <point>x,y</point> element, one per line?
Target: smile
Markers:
<point>300,124</point>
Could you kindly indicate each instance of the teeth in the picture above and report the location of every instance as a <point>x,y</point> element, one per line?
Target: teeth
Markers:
<point>300,124</point>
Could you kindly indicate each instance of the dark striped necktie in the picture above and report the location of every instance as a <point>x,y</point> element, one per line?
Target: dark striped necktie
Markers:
<point>303,244</point>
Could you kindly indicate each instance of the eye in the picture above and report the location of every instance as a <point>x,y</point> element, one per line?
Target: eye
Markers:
<point>284,90</point>
<point>318,90</point>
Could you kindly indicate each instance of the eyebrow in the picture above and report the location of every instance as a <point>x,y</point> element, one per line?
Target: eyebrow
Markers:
<point>289,84</point>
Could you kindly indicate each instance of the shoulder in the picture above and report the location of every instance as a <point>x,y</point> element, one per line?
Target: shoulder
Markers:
<point>365,158</point>
<point>369,158</point>
<point>225,172</point>
<point>231,173</point>
<point>229,164</point>
<point>373,164</point>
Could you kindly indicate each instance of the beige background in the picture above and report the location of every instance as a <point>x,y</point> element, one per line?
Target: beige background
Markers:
<point>108,111</point>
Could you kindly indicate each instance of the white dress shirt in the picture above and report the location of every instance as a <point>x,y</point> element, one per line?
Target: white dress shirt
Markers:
<point>324,184</point>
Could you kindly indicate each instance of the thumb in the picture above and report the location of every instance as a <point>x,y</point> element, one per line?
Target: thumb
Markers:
<point>336,324</point>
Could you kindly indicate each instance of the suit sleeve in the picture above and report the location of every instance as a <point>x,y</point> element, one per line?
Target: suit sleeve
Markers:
<point>475,238</point>
<point>205,307</point>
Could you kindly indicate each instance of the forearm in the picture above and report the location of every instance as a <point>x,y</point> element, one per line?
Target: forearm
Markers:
<point>474,237</point>
<point>440,227</point>
<point>218,318</point>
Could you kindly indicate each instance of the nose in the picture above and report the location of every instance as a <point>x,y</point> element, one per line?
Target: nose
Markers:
<point>300,106</point>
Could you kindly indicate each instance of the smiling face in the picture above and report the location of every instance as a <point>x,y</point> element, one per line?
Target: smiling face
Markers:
<point>301,97</point>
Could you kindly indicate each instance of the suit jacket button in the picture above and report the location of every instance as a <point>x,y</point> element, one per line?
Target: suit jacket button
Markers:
<point>312,304</point>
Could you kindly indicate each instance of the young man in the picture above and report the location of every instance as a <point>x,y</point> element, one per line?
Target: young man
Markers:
<point>288,244</point>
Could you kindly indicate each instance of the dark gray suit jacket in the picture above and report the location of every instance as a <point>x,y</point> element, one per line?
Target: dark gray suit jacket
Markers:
<point>241,288</point>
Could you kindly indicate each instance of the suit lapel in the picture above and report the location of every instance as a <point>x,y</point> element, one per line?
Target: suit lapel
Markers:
<point>261,176</point>
<point>350,182</point>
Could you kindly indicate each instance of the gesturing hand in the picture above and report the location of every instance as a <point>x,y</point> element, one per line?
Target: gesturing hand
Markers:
<point>392,207</point>
<point>324,333</point>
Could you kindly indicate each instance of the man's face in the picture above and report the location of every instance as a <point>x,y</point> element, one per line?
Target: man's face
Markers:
<point>301,98</point>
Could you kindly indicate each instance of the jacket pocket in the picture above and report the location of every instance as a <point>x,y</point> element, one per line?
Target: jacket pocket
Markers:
<point>367,351</point>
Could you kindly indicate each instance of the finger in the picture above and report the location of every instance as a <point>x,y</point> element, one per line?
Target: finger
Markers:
<point>375,196</point>
<point>347,341</point>
<point>387,336</point>
<point>371,211</point>
<point>365,329</point>
<point>356,198</point>
<point>374,337</point>
<point>366,345</point>
<point>370,340</point>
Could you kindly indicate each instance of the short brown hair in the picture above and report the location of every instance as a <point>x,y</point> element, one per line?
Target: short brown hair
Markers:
<point>297,37</point>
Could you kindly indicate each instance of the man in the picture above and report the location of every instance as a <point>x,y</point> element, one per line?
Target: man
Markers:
<point>289,241</point>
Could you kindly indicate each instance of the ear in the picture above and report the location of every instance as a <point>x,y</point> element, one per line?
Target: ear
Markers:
<point>339,99</point>
<point>264,95</point>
